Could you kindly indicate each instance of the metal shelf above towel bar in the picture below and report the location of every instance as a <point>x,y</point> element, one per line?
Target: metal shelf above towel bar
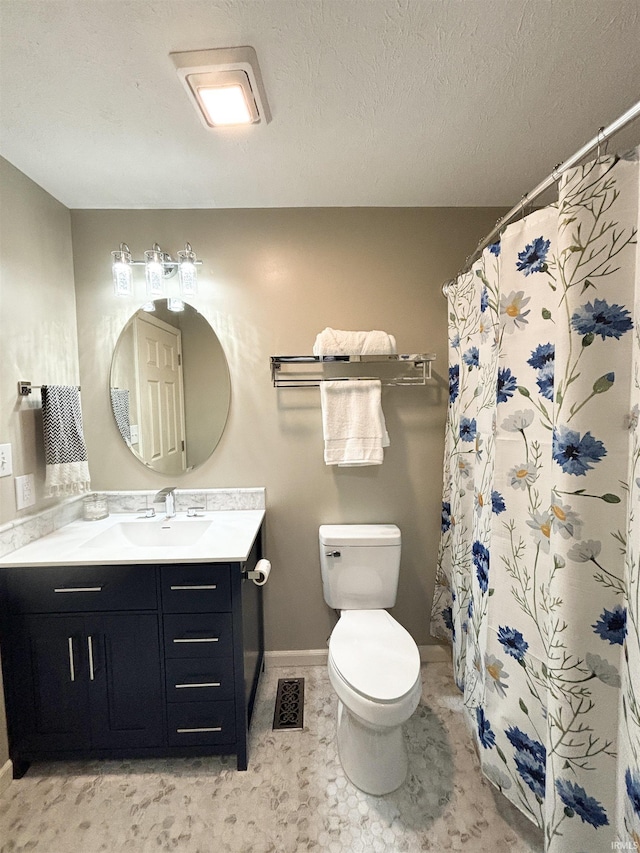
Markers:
<point>302,371</point>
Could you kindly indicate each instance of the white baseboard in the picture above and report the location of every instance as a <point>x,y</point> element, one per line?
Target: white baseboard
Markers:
<point>6,775</point>
<point>302,657</point>
<point>318,657</point>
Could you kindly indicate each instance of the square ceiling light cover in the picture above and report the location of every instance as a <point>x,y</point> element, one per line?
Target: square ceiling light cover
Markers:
<point>224,84</point>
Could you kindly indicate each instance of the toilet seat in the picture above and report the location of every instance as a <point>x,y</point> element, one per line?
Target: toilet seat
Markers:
<point>374,655</point>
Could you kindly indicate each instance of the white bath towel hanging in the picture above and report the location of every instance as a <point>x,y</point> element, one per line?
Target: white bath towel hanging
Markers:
<point>338,342</point>
<point>353,422</point>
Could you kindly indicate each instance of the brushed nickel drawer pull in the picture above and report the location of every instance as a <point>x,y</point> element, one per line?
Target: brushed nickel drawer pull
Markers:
<point>196,640</point>
<point>194,586</point>
<point>90,650</point>
<point>203,729</point>
<point>72,669</point>
<point>78,589</point>
<point>200,684</point>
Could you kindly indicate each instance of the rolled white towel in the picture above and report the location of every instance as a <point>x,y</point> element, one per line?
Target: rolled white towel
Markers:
<point>338,342</point>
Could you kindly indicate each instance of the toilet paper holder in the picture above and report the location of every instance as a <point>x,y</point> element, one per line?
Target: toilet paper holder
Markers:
<point>260,574</point>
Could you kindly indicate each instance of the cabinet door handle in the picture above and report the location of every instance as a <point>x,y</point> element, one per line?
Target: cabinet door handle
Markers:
<point>72,669</point>
<point>196,640</point>
<point>90,651</point>
<point>201,684</point>
<point>203,729</point>
<point>194,586</point>
<point>78,589</point>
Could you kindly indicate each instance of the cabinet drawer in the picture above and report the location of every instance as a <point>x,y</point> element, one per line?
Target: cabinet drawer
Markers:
<point>198,635</point>
<point>195,723</point>
<point>69,589</point>
<point>198,588</point>
<point>199,679</point>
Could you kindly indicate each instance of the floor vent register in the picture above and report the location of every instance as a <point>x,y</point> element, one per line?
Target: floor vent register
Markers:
<point>289,712</point>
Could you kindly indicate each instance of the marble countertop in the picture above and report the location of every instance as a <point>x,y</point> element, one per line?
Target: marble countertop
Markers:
<point>228,537</point>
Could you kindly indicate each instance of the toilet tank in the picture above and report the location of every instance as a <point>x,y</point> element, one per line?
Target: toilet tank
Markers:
<point>360,565</point>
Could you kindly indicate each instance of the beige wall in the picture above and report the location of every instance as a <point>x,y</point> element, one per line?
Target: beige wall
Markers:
<point>38,339</point>
<point>271,280</point>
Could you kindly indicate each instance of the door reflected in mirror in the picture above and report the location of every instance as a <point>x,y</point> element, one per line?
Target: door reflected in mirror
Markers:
<point>170,388</point>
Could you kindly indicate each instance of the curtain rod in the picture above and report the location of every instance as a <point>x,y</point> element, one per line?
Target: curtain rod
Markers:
<point>603,134</point>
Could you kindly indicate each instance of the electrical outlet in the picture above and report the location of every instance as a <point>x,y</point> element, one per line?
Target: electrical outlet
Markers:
<point>6,463</point>
<point>25,491</point>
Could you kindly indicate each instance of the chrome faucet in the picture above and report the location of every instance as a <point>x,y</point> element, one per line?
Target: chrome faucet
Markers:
<point>167,495</point>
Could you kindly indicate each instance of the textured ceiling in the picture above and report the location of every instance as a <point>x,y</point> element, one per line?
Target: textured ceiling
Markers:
<point>374,102</point>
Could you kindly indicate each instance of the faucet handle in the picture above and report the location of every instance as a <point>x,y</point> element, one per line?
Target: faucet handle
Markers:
<point>147,512</point>
<point>192,511</point>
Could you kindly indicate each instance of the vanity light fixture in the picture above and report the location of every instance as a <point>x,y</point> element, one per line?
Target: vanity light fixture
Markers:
<point>225,85</point>
<point>175,304</point>
<point>159,265</point>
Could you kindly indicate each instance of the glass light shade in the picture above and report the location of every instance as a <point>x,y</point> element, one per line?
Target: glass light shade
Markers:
<point>187,271</point>
<point>122,279</point>
<point>122,272</point>
<point>225,105</point>
<point>175,304</point>
<point>149,307</point>
<point>154,272</point>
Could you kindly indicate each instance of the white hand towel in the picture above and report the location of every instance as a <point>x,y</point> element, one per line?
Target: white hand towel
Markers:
<point>338,342</point>
<point>353,422</point>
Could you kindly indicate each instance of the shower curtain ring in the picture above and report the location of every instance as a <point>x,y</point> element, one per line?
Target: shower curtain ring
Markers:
<point>522,205</point>
<point>599,143</point>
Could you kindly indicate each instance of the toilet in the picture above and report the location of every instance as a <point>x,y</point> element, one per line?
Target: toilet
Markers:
<point>374,663</point>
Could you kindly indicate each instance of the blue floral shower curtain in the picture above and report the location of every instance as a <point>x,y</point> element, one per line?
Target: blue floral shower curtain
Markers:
<point>538,580</point>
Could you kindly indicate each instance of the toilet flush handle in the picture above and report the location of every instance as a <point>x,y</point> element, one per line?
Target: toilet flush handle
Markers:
<point>332,553</point>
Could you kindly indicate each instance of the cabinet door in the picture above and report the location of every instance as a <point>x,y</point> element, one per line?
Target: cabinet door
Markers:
<point>125,688</point>
<point>48,684</point>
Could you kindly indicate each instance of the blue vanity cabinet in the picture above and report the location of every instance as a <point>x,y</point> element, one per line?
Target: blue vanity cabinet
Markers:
<point>130,661</point>
<point>85,679</point>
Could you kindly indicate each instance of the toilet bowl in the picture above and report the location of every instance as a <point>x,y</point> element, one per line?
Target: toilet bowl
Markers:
<point>374,664</point>
<point>374,668</point>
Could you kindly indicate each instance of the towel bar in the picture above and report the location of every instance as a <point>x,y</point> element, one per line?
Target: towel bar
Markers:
<point>25,388</point>
<point>297,377</point>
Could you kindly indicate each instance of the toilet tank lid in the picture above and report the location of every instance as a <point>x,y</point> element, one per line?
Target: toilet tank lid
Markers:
<point>359,534</point>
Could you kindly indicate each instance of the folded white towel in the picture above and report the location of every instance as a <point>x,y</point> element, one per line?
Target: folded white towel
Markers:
<point>339,342</point>
<point>353,422</point>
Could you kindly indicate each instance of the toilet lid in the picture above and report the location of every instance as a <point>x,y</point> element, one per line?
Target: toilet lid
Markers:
<point>374,654</point>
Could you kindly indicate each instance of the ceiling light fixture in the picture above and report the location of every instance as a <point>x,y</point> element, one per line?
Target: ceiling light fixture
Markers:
<point>158,266</point>
<point>225,85</point>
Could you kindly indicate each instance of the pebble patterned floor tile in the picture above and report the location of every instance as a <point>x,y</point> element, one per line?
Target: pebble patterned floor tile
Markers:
<point>293,798</point>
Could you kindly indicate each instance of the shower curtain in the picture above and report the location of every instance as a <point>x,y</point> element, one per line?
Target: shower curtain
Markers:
<point>538,577</point>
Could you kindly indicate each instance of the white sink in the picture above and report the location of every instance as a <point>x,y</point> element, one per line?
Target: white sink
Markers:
<point>172,533</point>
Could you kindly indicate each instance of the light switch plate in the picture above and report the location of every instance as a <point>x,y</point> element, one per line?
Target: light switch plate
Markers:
<point>6,463</point>
<point>25,491</point>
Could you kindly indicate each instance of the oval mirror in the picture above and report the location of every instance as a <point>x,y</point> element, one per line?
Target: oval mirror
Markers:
<point>170,388</point>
